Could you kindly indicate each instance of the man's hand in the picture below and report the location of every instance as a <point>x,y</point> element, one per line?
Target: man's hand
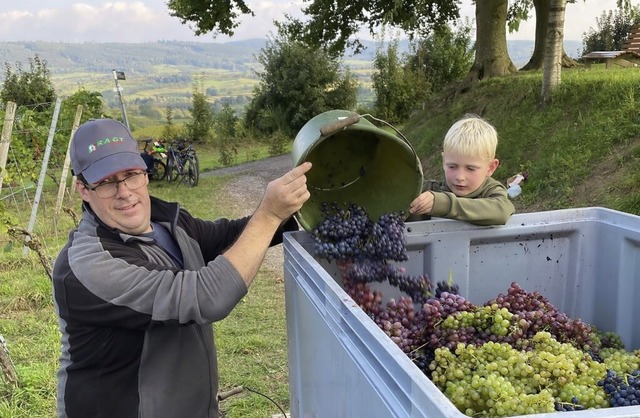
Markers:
<point>423,204</point>
<point>285,195</point>
<point>282,198</point>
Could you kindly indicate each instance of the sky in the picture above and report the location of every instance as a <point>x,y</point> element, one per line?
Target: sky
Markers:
<point>149,20</point>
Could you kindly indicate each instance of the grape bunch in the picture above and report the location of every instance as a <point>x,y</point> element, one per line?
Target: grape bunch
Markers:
<point>533,313</point>
<point>496,379</point>
<point>342,233</point>
<point>418,288</point>
<point>370,301</point>
<point>365,251</point>
<point>422,358</point>
<point>401,323</point>
<point>448,287</point>
<point>623,390</point>
<point>387,240</point>
<point>367,271</point>
<point>574,405</point>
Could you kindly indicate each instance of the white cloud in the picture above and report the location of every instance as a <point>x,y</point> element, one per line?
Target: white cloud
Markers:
<point>149,20</point>
<point>47,14</point>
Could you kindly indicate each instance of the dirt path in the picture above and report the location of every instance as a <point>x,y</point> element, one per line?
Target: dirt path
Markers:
<point>245,191</point>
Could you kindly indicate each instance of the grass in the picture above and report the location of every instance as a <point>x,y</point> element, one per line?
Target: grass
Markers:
<point>582,150</point>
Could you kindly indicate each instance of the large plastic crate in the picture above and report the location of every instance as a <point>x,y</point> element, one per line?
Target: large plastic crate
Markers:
<point>341,365</point>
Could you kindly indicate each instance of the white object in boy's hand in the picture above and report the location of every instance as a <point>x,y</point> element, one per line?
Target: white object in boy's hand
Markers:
<point>514,188</point>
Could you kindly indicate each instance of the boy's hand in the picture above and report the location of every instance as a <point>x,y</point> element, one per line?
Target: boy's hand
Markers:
<point>422,205</point>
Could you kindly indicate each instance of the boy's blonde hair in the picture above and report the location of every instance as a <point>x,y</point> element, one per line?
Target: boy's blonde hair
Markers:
<point>472,136</point>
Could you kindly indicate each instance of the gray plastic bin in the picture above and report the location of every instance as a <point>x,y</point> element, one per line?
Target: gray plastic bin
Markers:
<point>341,365</point>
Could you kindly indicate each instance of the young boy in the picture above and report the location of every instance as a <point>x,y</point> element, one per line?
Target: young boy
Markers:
<point>469,193</point>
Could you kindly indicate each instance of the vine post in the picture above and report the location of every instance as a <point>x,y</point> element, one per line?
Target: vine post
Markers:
<point>67,162</point>
<point>5,139</point>
<point>43,171</point>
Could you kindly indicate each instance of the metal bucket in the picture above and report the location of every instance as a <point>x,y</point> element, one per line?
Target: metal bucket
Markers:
<point>354,161</point>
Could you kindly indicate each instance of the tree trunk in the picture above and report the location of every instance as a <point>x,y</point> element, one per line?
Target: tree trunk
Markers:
<point>542,8</point>
<point>553,50</point>
<point>492,57</point>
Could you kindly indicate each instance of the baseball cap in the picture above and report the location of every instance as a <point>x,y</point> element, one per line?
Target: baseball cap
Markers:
<point>101,148</point>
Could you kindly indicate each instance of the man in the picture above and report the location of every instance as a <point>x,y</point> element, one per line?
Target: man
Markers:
<point>140,281</point>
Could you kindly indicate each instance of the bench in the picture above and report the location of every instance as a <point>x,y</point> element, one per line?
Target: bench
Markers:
<point>629,56</point>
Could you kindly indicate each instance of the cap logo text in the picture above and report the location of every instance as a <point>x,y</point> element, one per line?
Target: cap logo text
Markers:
<point>105,141</point>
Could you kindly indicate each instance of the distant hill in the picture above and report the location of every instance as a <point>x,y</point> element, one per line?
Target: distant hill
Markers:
<point>132,57</point>
<point>161,74</point>
<point>143,57</point>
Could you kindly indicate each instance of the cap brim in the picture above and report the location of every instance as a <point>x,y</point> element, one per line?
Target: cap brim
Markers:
<point>112,164</point>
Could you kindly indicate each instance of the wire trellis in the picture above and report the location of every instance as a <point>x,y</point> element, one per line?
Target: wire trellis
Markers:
<point>20,196</point>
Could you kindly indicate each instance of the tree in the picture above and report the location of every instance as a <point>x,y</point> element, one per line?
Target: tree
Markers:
<point>335,26</point>
<point>225,123</point>
<point>331,27</point>
<point>28,88</point>
<point>613,30</point>
<point>297,82</point>
<point>333,23</point>
<point>444,56</point>
<point>199,129</point>
<point>492,57</point>
<point>398,86</point>
<point>169,131</point>
<point>519,11</point>
<point>92,107</point>
<point>553,53</point>
<point>219,17</point>
<point>91,102</point>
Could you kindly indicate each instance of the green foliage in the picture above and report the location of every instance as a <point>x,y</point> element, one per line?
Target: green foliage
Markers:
<point>444,56</point>
<point>28,143</point>
<point>91,102</point>
<point>228,155</point>
<point>199,128</point>
<point>7,220</point>
<point>613,29</point>
<point>209,15</point>
<point>169,131</point>
<point>336,28</point>
<point>401,84</point>
<point>398,89</point>
<point>297,83</point>
<point>34,95</point>
<point>28,88</point>
<point>225,123</point>
<point>31,131</point>
<point>277,143</point>
<point>582,150</point>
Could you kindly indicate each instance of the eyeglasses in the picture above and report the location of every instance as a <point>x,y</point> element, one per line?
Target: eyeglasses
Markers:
<point>110,188</point>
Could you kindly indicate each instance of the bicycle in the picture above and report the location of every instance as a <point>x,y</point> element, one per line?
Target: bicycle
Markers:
<point>183,163</point>
<point>159,170</point>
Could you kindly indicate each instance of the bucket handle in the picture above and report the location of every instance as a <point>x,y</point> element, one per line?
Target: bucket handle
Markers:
<point>355,118</point>
<point>400,134</point>
<point>339,125</point>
